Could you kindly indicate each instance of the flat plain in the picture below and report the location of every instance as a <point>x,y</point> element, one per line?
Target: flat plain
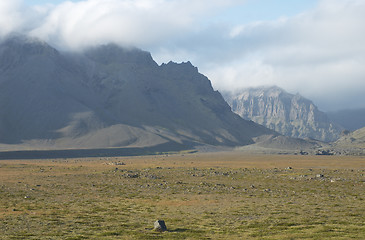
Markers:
<point>227,195</point>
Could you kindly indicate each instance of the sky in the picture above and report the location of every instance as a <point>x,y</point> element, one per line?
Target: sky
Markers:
<point>312,47</point>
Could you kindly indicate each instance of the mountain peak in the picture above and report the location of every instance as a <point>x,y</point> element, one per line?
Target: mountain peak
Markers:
<point>262,91</point>
<point>289,114</point>
<point>113,53</point>
<point>184,66</point>
<point>25,45</point>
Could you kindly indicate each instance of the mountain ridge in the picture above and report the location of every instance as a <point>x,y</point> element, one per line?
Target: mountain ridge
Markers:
<point>108,96</point>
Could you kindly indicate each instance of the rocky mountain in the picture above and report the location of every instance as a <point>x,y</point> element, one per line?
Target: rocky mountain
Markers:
<point>109,96</point>
<point>288,114</point>
<point>350,119</point>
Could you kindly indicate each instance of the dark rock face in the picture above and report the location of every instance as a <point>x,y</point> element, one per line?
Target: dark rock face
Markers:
<point>288,114</point>
<point>109,96</point>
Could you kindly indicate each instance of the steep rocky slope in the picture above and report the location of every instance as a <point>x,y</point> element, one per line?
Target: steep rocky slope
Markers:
<point>354,139</point>
<point>288,114</point>
<point>109,97</point>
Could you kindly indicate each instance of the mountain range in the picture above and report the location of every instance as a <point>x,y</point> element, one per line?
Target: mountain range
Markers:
<point>289,114</point>
<point>109,96</point>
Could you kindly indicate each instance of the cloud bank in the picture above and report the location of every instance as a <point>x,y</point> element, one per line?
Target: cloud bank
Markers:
<point>319,53</point>
<point>75,25</point>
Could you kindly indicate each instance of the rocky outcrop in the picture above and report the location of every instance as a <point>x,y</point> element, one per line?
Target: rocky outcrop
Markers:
<point>288,114</point>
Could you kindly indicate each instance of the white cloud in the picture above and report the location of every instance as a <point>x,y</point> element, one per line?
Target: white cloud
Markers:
<point>319,53</point>
<point>139,22</point>
<point>10,16</point>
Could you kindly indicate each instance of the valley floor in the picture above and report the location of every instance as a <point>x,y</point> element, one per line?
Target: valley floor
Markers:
<point>200,196</point>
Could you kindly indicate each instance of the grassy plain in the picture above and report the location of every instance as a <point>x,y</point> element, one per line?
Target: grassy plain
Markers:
<point>200,196</point>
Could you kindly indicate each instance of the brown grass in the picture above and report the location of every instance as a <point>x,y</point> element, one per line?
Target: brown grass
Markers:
<point>200,196</point>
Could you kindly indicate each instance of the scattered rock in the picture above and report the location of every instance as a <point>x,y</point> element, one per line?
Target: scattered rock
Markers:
<point>153,177</point>
<point>119,163</point>
<point>160,226</point>
<point>324,152</point>
<point>116,163</point>
<point>132,175</point>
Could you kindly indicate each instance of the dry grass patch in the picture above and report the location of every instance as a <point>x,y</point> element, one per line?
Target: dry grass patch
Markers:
<point>200,196</point>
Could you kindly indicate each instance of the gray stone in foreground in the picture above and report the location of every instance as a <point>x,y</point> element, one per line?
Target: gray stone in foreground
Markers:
<point>160,226</point>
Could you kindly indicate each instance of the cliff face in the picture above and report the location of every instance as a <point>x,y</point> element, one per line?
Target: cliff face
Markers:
<point>288,114</point>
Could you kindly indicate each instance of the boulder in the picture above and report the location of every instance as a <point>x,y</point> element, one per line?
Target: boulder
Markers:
<point>160,226</point>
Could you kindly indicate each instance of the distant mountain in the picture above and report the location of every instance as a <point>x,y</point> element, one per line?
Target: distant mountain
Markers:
<point>350,119</point>
<point>109,96</point>
<point>288,114</point>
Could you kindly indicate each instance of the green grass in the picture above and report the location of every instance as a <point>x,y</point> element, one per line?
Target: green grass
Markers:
<point>88,199</point>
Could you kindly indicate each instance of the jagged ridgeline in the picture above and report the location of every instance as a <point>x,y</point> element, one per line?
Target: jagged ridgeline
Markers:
<point>109,96</point>
<point>289,114</point>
